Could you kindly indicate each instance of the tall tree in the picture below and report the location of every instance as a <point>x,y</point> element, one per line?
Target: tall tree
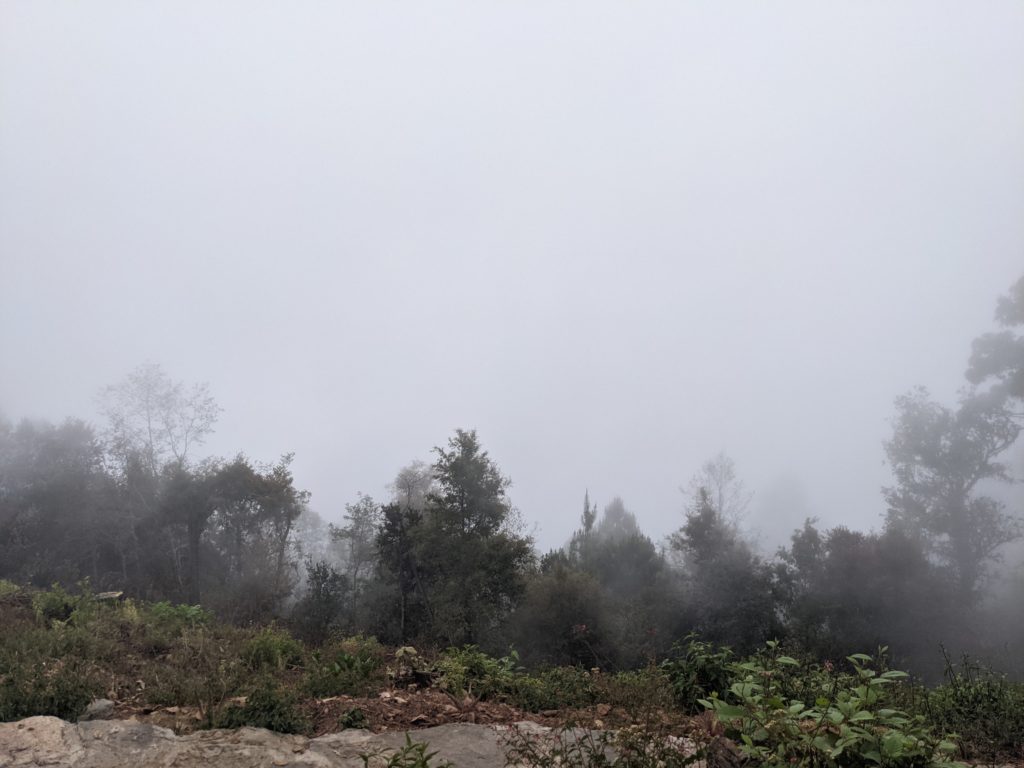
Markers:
<point>939,456</point>
<point>460,564</point>
<point>731,591</point>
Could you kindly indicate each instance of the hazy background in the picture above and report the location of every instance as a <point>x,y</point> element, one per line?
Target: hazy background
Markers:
<point>615,238</point>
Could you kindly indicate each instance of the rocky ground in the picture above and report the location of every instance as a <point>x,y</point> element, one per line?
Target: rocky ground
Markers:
<point>48,741</point>
<point>392,710</point>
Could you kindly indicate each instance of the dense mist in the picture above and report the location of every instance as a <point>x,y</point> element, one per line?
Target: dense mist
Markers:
<point>577,330</point>
<point>445,560</point>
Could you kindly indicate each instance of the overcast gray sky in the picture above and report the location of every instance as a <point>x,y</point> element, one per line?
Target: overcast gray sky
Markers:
<point>615,238</point>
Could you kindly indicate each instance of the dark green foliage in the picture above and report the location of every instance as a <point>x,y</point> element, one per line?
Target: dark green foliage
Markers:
<point>354,718</point>
<point>458,566</point>
<point>730,590</point>
<point>268,706</point>
<point>316,614</point>
<point>697,670</point>
<point>34,683</point>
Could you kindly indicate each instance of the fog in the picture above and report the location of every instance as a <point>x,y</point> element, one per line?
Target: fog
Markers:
<point>615,239</point>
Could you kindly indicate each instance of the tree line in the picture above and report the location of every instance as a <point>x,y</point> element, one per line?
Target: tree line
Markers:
<point>443,561</point>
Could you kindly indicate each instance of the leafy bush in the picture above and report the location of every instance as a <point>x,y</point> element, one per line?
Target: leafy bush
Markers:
<point>40,686</point>
<point>350,666</point>
<point>849,724</point>
<point>272,649</point>
<point>697,670</point>
<point>470,671</point>
<point>554,688</point>
<point>983,709</point>
<point>269,706</point>
<point>54,605</point>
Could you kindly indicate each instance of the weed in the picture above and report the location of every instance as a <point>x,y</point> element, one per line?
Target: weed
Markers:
<point>413,754</point>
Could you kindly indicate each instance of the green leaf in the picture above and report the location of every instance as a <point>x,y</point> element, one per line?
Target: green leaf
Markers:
<point>892,745</point>
<point>729,711</point>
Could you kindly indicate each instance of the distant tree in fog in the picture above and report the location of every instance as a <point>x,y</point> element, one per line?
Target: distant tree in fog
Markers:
<point>998,358</point>
<point>155,419</point>
<point>939,455</point>
<point>725,490</point>
<point>728,587</point>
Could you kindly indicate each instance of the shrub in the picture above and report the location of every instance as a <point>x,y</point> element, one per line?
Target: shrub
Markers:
<point>272,649</point>
<point>268,706</point>
<point>55,605</point>
<point>350,666</point>
<point>468,670</point>
<point>983,709</point>
<point>554,688</point>
<point>8,589</point>
<point>41,686</point>
<point>849,724</point>
<point>697,670</point>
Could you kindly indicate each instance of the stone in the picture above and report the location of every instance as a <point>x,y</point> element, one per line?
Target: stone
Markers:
<point>98,709</point>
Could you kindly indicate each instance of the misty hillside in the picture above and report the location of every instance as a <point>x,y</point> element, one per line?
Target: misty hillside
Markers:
<point>654,368</point>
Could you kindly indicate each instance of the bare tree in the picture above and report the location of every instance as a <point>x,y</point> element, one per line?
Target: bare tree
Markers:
<point>155,420</point>
<point>725,491</point>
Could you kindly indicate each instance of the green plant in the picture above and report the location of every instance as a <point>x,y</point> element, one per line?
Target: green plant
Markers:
<point>203,669</point>
<point>41,686</point>
<point>470,671</point>
<point>354,718</point>
<point>177,618</point>
<point>54,605</point>
<point>850,723</point>
<point>554,688</point>
<point>413,754</point>
<point>984,710</point>
<point>8,589</point>
<point>272,649</point>
<point>697,670</point>
<point>350,666</point>
<point>268,706</point>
